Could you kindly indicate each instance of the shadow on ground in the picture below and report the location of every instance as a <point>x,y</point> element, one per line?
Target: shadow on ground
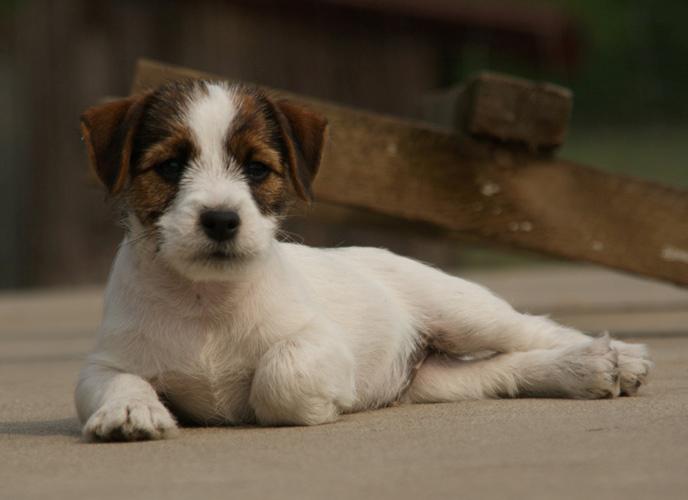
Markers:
<point>58,427</point>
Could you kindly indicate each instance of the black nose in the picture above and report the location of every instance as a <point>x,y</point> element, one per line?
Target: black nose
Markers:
<point>220,225</point>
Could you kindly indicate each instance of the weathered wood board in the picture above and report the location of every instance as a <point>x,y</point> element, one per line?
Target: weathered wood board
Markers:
<point>500,194</point>
<point>504,108</point>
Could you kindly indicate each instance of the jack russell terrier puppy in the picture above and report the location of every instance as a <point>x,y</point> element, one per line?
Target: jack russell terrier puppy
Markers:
<point>210,318</point>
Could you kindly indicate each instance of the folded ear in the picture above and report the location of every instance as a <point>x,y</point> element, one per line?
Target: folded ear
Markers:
<point>108,131</point>
<point>303,132</point>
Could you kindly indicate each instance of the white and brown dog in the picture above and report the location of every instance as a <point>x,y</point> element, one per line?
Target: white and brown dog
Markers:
<point>207,312</point>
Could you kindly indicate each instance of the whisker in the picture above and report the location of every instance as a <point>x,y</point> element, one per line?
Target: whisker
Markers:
<point>141,237</point>
<point>289,237</point>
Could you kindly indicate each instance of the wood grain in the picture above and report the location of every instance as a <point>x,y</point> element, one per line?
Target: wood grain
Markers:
<point>504,108</point>
<point>503,195</point>
<point>516,110</point>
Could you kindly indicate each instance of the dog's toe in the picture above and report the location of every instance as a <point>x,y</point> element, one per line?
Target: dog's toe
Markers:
<point>634,366</point>
<point>591,370</point>
<point>130,421</point>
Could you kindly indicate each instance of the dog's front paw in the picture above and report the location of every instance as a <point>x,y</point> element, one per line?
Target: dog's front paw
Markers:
<point>130,420</point>
<point>591,370</point>
<point>634,366</point>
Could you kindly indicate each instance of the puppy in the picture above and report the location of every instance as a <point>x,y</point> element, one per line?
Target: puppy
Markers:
<point>210,318</point>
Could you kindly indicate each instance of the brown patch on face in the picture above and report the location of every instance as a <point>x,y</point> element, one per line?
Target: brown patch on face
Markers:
<point>149,196</point>
<point>255,137</point>
<point>162,137</point>
<point>178,145</point>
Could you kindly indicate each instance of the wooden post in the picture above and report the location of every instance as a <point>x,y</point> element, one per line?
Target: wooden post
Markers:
<point>505,109</point>
<point>499,193</point>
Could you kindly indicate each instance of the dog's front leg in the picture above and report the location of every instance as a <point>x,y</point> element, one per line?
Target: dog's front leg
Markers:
<point>304,380</point>
<point>117,406</point>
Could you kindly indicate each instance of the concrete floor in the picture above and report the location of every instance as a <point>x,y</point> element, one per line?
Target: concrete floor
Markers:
<point>624,448</point>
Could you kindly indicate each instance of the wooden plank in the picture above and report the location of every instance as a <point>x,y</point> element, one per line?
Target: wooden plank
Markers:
<point>516,110</point>
<point>502,195</point>
<point>504,108</point>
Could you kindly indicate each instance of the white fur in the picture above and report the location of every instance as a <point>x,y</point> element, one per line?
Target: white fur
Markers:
<point>287,334</point>
<point>211,181</point>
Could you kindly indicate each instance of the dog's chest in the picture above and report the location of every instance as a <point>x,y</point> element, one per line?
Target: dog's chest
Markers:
<point>204,398</point>
<point>209,381</point>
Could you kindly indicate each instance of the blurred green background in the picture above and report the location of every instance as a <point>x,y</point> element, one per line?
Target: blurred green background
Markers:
<point>630,85</point>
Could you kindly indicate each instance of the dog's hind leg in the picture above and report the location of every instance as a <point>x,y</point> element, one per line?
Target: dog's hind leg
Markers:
<point>464,318</point>
<point>587,370</point>
<point>458,318</point>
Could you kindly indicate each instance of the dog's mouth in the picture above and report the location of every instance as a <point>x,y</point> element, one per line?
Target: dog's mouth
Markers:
<point>219,256</point>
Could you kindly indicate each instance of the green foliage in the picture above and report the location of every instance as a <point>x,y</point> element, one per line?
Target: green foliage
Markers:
<point>634,66</point>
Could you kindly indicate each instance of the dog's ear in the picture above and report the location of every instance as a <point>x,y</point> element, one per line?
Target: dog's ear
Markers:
<point>304,133</point>
<point>108,131</point>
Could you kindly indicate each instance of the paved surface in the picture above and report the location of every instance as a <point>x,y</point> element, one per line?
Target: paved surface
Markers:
<point>623,448</point>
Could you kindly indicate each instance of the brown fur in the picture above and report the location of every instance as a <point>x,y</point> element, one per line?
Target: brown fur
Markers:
<point>255,137</point>
<point>303,133</point>
<point>149,194</point>
<point>161,136</point>
<point>108,131</point>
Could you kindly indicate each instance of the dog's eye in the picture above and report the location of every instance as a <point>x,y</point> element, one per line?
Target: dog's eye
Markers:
<point>256,171</point>
<point>170,170</point>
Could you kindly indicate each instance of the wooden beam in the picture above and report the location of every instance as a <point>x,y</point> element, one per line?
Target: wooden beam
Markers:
<point>503,195</point>
<point>505,109</point>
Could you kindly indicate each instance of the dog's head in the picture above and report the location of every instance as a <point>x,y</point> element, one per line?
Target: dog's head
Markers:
<point>204,169</point>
